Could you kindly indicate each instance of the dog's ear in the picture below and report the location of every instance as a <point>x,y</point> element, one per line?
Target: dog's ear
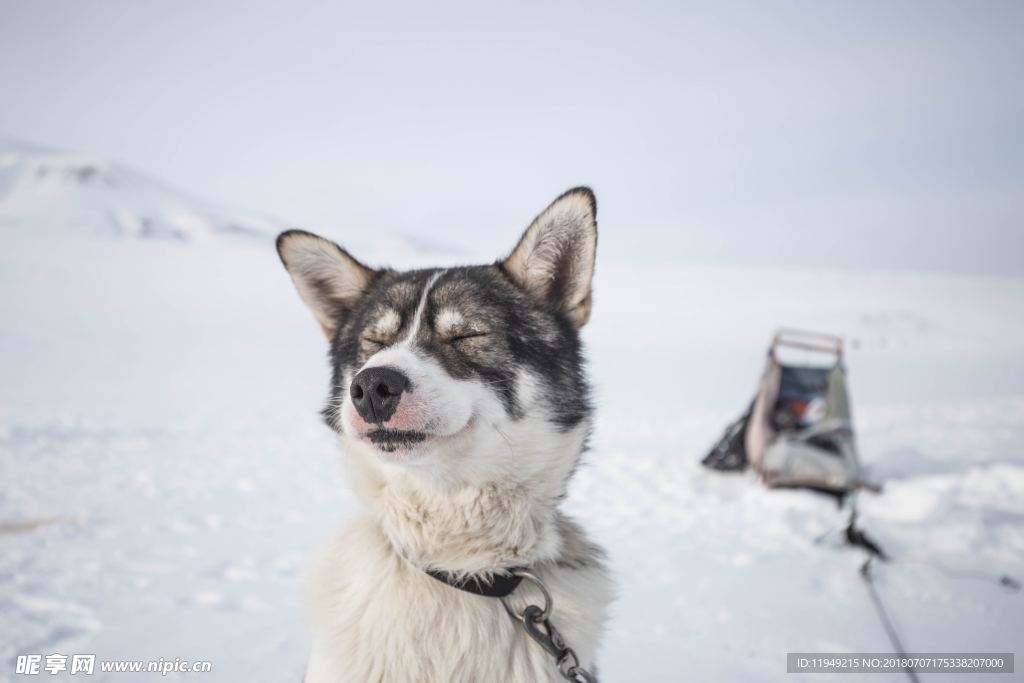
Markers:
<point>554,260</point>
<point>329,280</point>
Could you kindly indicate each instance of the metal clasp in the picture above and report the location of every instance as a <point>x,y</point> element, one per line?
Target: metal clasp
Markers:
<point>534,620</point>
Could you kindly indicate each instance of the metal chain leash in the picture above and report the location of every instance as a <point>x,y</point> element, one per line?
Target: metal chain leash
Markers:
<point>536,622</point>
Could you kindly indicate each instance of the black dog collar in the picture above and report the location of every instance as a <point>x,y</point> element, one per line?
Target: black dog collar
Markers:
<point>500,585</point>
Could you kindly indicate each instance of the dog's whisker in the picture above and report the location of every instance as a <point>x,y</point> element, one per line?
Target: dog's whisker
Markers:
<point>504,436</point>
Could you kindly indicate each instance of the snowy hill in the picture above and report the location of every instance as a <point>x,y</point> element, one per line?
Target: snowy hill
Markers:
<point>42,189</point>
<point>47,193</point>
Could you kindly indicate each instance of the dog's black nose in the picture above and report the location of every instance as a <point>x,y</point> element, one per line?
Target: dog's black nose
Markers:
<point>376,393</point>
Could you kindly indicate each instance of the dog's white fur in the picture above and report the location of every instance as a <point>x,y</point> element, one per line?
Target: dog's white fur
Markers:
<point>379,617</point>
<point>480,498</point>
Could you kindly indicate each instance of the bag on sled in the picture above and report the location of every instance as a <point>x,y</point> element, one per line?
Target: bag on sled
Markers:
<point>798,430</point>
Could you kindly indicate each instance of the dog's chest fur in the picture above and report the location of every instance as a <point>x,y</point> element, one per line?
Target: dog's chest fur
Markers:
<point>379,618</point>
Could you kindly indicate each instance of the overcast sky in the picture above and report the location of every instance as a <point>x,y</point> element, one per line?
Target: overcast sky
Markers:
<point>853,134</point>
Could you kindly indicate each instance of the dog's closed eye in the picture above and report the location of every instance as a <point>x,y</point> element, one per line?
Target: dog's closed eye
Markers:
<point>466,336</point>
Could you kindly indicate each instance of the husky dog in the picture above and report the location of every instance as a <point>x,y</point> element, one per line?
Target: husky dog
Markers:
<point>460,401</point>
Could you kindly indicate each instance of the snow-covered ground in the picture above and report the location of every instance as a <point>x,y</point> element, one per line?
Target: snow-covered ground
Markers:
<point>165,477</point>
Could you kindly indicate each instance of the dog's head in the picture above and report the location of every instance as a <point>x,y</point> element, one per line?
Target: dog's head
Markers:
<point>466,374</point>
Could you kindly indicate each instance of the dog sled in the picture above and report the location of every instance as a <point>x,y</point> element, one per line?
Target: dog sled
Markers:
<point>798,430</point>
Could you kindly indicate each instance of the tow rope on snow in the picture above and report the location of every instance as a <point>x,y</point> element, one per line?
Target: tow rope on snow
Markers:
<point>883,615</point>
<point>857,537</point>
